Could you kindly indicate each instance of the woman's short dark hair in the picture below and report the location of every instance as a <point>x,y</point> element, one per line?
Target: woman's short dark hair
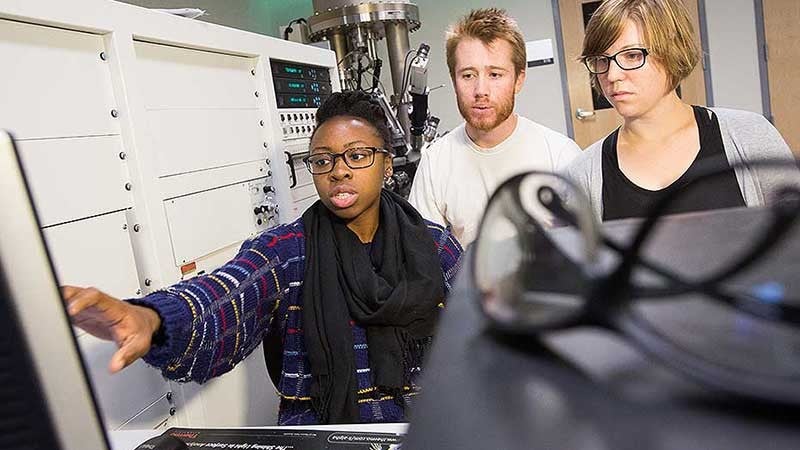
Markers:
<point>356,104</point>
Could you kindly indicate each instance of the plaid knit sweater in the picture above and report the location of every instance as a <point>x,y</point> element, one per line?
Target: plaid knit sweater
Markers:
<point>212,322</point>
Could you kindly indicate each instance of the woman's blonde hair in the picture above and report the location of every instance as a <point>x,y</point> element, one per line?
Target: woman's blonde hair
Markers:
<point>665,26</point>
<point>486,25</point>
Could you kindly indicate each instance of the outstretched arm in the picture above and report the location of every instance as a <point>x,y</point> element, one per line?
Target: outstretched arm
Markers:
<point>208,323</point>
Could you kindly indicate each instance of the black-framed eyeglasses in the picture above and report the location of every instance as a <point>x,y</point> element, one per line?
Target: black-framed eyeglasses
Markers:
<point>354,158</point>
<point>714,295</point>
<point>628,59</point>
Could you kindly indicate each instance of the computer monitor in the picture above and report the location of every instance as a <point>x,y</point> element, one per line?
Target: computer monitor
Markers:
<point>46,399</point>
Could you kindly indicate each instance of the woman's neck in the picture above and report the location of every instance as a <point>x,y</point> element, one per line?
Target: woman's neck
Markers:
<point>366,224</point>
<point>655,150</point>
<point>659,123</point>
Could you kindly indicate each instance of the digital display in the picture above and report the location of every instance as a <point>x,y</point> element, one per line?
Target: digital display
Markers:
<point>298,85</point>
<point>299,101</point>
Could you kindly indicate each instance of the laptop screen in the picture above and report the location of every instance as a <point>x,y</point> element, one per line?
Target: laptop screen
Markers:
<point>46,400</point>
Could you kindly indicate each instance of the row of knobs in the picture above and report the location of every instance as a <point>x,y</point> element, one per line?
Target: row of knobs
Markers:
<point>264,209</point>
<point>295,117</point>
<point>298,129</point>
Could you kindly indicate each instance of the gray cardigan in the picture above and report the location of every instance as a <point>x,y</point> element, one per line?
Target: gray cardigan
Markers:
<point>746,137</point>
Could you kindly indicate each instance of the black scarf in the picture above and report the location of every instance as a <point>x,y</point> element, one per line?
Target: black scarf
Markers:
<point>393,292</point>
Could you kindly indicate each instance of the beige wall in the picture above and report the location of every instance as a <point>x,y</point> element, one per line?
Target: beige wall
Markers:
<point>733,54</point>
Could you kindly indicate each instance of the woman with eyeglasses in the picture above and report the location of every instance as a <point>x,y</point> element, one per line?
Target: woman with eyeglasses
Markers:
<point>353,289</point>
<point>637,53</point>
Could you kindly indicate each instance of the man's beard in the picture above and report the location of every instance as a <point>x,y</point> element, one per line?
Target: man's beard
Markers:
<point>502,111</point>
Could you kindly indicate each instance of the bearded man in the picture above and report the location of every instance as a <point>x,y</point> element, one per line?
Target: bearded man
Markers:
<point>458,172</point>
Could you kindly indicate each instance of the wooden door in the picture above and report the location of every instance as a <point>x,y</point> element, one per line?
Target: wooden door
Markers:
<point>592,115</point>
<point>781,19</point>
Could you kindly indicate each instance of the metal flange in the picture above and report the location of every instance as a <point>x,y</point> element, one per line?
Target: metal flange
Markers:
<point>367,15</point>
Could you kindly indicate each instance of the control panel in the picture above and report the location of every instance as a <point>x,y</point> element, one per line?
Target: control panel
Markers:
<point>265,206</point>
<point>299,91</point>
<point>298,123</point>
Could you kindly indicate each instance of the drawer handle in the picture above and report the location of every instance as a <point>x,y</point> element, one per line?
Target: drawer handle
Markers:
<point>292,173</point>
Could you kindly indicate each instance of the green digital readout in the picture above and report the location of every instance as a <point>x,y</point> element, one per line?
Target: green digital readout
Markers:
<point>297,85</point>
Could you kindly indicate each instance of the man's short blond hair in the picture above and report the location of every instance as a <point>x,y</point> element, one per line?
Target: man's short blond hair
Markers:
<point>665,26</point>
<point>486,25</point>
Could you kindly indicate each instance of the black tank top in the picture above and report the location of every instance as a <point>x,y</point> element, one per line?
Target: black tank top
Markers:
<point>622,198</point>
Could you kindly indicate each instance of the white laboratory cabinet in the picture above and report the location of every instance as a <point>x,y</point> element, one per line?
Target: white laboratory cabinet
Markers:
<point>154,145</point>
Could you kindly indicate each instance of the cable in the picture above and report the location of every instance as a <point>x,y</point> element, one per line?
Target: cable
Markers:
<point>383,88</point>
<point>406,73</point>
<point>346,69</point>
<point>376,75</point>
<point>356,68</point>
<point>289,28</point>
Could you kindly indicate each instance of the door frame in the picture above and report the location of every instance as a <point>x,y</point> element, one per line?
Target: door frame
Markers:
<point>702,34</point>
<point>562,67</point>
<point>763,67</point>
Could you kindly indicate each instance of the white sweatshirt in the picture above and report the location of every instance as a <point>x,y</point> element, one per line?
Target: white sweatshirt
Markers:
<point>455,176</point>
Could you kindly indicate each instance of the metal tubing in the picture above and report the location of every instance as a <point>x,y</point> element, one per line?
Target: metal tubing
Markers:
<point>397,46</point>
<point>339,44</point>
